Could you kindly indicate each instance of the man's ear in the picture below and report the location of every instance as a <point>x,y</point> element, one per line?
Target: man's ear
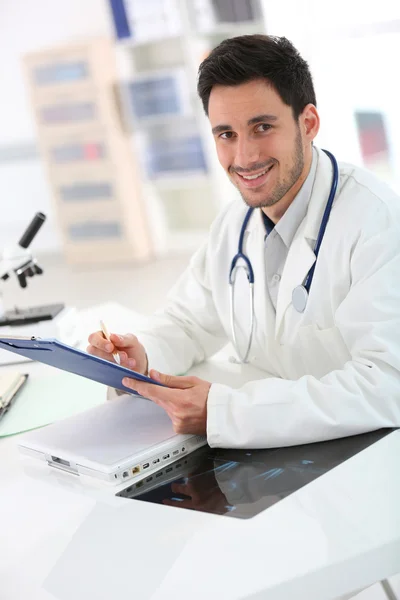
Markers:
<point>309,122</point>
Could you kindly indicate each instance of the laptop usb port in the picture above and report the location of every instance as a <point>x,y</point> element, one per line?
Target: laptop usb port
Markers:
<point>146,465</point>
<point>175,452</point>
<point>168,470</point>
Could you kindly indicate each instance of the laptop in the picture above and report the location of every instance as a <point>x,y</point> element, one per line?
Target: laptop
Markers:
<point>123,440</point>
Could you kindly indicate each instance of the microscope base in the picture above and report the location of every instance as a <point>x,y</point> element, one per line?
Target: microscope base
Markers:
<point>35,314</point>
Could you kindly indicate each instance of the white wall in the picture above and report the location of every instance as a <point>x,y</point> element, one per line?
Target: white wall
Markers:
<point>24,27</point>
<point>352,48</point>
<point>312,25</point>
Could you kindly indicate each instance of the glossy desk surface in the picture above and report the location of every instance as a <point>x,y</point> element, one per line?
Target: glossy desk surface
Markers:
<point>63,540</point>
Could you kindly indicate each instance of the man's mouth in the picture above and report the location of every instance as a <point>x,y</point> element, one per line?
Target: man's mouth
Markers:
<point>255,179</point>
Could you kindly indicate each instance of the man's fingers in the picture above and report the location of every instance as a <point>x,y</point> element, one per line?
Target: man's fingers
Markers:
<point>173,381</point>
<point>159,395</point>
<point>97,340</point>
<point>124,360</point>
<point>124,341</point>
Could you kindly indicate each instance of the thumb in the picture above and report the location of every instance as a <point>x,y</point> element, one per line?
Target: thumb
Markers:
<point>172,381</point>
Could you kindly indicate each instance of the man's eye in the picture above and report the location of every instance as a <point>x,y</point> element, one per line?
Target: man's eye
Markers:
<point>263,127</point>
<point>227,135</point>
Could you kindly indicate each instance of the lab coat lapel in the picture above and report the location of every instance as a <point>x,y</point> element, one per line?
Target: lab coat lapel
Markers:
<point>301,255</point>
<point>299,261</point>
<point>264,312</point>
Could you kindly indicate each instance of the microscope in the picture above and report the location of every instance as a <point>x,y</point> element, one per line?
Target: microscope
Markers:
<point>18,259</point>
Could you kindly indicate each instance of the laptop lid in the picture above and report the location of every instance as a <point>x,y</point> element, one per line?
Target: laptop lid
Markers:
<point>111,439</point>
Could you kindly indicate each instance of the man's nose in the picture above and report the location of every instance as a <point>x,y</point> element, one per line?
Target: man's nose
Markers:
<point>247,153</point>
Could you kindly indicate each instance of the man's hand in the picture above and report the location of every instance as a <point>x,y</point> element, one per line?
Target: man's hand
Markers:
<point>131,352</point>
<point>183,398</point>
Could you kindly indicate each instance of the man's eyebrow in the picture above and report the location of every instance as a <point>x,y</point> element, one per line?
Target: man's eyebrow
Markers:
<point>252,121</point>
<point>261,118</point>
<point>221,128</point>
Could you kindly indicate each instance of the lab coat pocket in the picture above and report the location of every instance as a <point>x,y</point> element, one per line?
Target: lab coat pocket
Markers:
<point>322,350</point>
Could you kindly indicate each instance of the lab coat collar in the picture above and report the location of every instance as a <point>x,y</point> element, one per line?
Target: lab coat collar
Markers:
<point>301,255</point>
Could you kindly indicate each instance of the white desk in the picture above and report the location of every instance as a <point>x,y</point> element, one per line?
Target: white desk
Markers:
<point>60,540</point>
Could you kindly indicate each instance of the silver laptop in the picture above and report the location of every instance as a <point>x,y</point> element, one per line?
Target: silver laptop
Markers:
<point>123,440</point>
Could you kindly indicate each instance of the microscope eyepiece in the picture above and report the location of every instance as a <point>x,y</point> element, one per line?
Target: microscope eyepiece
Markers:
<point>32,230</point>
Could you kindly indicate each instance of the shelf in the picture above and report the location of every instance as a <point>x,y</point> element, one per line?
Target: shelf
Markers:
<point>229,29</point>
<point>130,43</point>
<point>182,203</point>
<point>233,29</point>
<point>155,121</point>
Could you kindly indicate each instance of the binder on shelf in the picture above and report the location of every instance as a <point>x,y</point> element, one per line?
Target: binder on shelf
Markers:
<point>175,155</point>
<point>95,230</point>
<point>70,152</point>
<point>144,21</point>
<point>210,14</point>
<point>66,113</point>
<point>159,94</point>
<point>86,191</point>
<point>60,72</point>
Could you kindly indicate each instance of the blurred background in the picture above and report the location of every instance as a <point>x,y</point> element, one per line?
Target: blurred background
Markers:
<point>102,131</point>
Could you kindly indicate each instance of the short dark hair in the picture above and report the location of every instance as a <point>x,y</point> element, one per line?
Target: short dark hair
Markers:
<point>249,57</point>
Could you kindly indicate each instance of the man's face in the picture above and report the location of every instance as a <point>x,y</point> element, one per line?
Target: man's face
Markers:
<point>258,141</point>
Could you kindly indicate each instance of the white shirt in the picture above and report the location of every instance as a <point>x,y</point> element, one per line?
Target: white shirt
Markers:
<point>278,238</point>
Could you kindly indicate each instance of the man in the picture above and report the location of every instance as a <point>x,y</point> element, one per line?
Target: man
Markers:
<point>333,364</point>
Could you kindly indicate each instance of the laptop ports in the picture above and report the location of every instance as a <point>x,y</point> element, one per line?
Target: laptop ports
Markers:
<point>135,470</point>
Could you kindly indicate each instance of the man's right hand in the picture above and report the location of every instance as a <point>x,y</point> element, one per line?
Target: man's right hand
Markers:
<point>131,352</point>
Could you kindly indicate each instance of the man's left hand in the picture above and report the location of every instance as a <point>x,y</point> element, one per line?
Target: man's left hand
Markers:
<point>184,399</point>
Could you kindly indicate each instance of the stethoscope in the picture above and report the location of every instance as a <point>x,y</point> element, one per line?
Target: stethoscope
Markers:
<point>301,292</point>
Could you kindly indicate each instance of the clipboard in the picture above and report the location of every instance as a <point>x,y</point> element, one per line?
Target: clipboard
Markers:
<point>51,351</point>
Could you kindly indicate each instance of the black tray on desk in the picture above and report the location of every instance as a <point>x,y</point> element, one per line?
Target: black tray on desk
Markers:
<point>242,483</point>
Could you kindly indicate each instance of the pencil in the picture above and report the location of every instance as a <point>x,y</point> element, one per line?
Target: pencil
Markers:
<point>107,336</point>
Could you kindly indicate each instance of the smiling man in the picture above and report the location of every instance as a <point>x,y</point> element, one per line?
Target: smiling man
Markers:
<point>266,156</point>
<point>319,243</point>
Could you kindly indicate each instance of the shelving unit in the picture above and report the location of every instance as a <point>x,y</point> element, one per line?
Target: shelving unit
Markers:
<point>158,59</point>
<point>95,183</point>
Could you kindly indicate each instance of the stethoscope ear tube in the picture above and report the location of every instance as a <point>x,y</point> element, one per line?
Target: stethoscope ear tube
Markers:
<point>232,278</point>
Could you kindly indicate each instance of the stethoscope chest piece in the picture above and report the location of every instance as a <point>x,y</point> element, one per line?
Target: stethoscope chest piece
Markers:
<point>299,298</point>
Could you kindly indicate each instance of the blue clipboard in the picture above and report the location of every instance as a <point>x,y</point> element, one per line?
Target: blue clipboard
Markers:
<point>56,354</point>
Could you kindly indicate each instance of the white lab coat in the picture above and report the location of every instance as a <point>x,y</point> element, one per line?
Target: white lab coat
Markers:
<point>336,367</point>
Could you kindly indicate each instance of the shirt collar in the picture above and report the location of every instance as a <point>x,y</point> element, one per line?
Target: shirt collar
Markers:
<point>288,225</point>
